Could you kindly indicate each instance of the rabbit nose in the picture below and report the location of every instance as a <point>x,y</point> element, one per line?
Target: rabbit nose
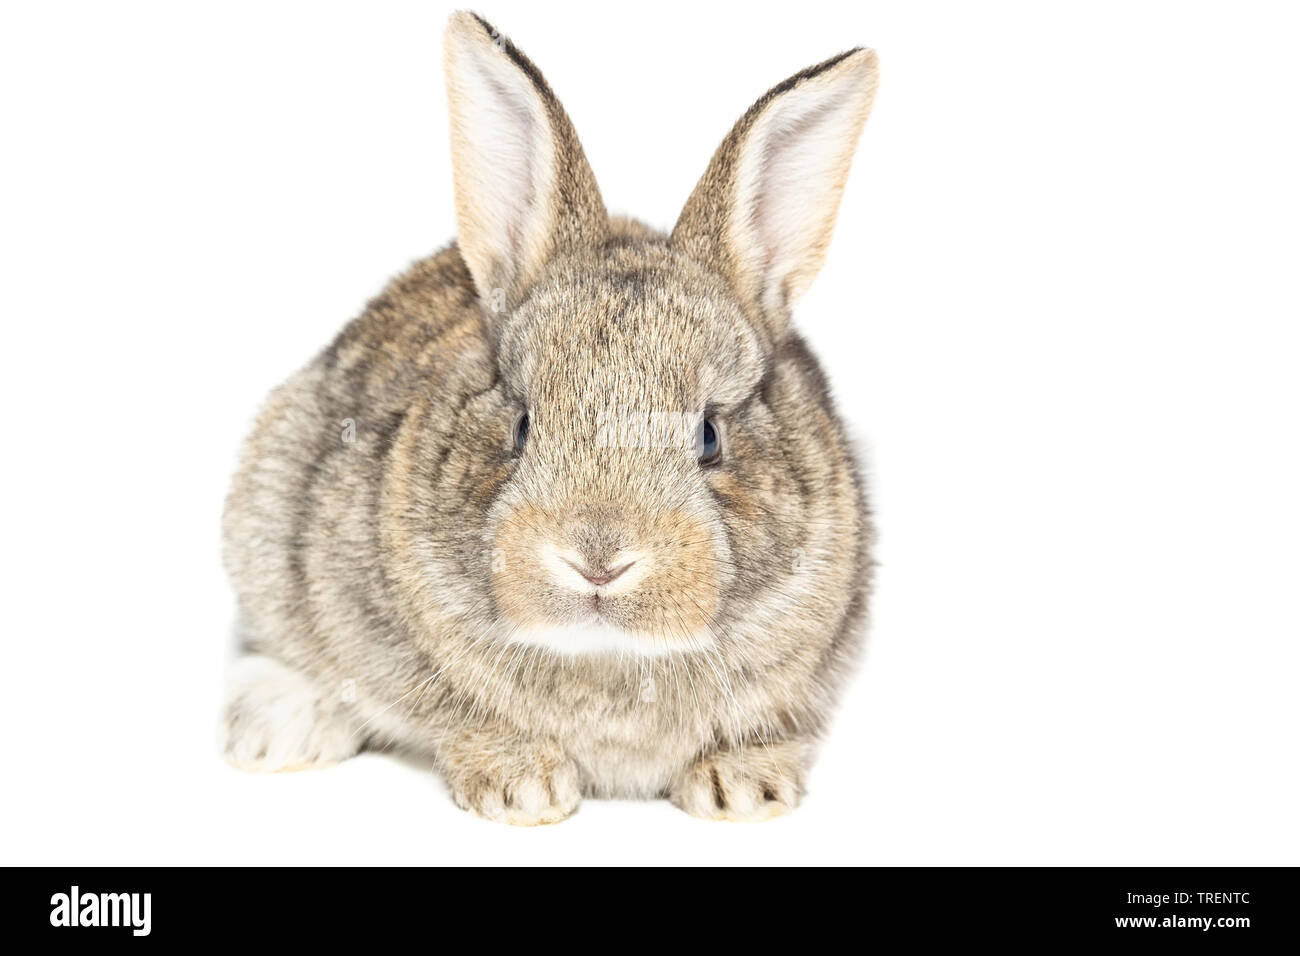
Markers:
<point>603,576</point>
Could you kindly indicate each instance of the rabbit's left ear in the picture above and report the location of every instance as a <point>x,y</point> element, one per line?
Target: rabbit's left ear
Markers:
<point>524,190</point>
<point>763,213</point>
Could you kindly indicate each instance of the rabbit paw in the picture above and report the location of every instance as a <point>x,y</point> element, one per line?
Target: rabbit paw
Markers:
<point>520,785</point>
<point>277,720</point>
<point>749,785</point>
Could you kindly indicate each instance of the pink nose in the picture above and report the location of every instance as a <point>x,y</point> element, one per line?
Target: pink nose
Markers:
<point>605,576</point>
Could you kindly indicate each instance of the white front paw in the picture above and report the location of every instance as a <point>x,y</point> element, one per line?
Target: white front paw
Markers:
<point>276,719</point>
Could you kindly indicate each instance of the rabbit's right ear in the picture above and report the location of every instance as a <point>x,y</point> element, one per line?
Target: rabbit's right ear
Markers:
<point>524,190</point>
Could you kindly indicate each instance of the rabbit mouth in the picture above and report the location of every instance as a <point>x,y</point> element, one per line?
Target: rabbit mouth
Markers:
<point>583,576</point>
<point>605,611</point>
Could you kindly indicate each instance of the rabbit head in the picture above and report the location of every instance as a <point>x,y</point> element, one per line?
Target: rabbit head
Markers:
<point>646,471</point>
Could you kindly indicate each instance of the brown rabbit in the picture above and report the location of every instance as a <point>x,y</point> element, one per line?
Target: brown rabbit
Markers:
<point>568,507</point>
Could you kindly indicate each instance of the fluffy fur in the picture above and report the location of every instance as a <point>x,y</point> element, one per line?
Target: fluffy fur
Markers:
<point>407,576</point>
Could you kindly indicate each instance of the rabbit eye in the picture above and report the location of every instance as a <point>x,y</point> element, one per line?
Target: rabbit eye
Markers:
<point>521,433</point>
<point>710,444</point>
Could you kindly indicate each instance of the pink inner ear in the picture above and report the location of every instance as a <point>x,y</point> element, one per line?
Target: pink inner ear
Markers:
<point>791,175</point>
<point>504,162</point>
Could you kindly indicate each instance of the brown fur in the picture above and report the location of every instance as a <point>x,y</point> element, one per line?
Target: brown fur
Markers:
<point>389,576</point>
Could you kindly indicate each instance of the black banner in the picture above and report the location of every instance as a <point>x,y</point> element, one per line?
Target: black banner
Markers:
<point>1222,907</point>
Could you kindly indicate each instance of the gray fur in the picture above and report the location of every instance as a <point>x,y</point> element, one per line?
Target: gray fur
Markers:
<point>391,574</point>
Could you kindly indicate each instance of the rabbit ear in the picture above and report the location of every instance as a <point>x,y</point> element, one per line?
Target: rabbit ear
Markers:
<point>524,191</point>
<point>764,211</point>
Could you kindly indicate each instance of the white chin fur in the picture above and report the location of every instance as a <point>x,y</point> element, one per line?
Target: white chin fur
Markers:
<point>581,639</point>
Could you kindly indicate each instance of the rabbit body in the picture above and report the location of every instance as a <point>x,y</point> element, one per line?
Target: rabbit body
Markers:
<point>470,528</point>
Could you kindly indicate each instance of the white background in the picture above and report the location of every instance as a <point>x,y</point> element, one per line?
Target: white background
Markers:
<point>1060,311</point>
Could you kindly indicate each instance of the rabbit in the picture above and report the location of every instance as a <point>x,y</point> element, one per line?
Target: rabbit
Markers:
<point>568,511</point>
